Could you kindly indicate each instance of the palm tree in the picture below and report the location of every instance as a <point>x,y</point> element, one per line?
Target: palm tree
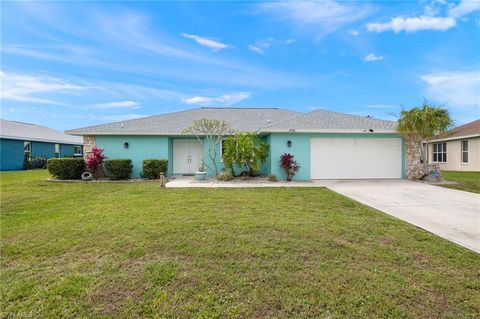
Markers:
<point>422,123</point>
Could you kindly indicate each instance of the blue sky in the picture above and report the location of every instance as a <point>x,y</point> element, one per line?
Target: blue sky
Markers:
<point>72,64</point>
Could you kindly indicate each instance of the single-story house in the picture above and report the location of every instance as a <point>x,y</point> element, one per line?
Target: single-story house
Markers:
<point>327,145</point>
<point>20,142</point>
<point>457,149</point>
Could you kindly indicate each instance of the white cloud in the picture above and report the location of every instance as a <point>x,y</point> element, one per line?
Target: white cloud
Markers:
<point>324,16</point>
<point>261,45</point>
<point>372,57</point>
<point>227,99</point>
<point>457,88</point>
<point>430,19</point>
<point>117,105</point>
<point>414,24</point>
<point>354,32</point>
<point>254,48</point>
<point>209,43</point>
<point>464,8</point>
<point>27,88</point>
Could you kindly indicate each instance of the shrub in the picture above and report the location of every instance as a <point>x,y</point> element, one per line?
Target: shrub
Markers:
<point>272,178</point>
<point>225,176</point>
<point>66,168</point>
<point>289,165</point>
<point>94,161</point>
<point>153,167</point>
<point>245,150</point>
<point>119,168</point>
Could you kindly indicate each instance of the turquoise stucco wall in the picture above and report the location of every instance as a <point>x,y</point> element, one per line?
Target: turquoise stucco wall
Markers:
<point>11,155</point>
<point>161,147</point>
<point>301,149</point>
<point>139,149</point>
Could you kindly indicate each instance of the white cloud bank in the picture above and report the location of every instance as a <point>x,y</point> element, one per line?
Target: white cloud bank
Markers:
<point>206,42</point>
<point>429,20</point>
<point>372,57</point>
<point>117,105</point>
<point>29,88</point>
<point>414,24</point>
<point>226,100</point>
<point>457,88</point>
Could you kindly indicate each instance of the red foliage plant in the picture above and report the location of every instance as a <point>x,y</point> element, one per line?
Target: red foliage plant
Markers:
<point>289,165</point>
<point>95,159</point>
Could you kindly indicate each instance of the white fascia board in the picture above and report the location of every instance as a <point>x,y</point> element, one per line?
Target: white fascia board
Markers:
<point>30,139</point>
<point>326,131</point>
<point>454,138</point>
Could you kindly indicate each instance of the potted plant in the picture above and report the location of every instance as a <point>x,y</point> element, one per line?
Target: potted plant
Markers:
<point>289,165</point>
<point>201,174</point>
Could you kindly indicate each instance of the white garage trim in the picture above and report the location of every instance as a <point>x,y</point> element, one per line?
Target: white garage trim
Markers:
<point>355,158</point>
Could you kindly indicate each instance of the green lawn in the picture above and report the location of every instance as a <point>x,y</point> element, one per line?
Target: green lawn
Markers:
<point>128,250</point>
<point>467,181</point>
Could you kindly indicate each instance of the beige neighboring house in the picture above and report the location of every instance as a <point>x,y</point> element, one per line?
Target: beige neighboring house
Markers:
<point>457,149</point>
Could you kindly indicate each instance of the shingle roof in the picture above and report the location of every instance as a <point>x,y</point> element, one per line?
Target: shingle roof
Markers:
<point>319,120</point>
<point>32,132</point>
<point>241,119</point>
<point>469,129</point>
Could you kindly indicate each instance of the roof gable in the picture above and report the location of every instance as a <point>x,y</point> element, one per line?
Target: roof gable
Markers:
<point>241,119</point>
<point>33,132</point>
<point>469,129</point>
<point>321,120</point>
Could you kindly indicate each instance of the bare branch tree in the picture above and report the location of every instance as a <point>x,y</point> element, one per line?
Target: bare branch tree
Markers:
<point>210,134</point>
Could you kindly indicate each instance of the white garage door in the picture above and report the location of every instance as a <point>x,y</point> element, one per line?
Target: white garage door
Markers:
<point>356,158</point>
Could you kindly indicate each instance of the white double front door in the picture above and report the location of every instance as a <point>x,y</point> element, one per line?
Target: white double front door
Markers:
<point>187,154</point>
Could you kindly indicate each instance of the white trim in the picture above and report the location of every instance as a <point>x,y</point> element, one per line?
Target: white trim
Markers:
<point>38,140</point>
<point>454,138</point>
<point>366,131</point>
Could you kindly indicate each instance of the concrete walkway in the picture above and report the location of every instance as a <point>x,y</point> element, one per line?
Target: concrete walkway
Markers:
<point>189,181</point>
<point>448,213</point>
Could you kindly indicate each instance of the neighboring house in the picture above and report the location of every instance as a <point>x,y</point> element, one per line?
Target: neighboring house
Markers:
<point>19,141</point>
<point>327,145</point>
<point>457,149</point>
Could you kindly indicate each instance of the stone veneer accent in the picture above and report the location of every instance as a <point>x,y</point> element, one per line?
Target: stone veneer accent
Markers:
<point>414,169</point>
<point>89,142</point>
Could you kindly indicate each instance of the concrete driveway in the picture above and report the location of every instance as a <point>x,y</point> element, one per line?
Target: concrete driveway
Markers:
<point>449,213</point>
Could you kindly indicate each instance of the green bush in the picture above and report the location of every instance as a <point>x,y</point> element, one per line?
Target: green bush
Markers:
<point>225,176</point>
<point>118,168</point>
<point>66,168</point>
<point>153,167</point>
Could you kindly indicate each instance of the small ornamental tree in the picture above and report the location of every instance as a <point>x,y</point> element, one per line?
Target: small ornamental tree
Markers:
<point>289,165</point>
<point>210,134</point>
<point>95,160</point>
<point>245,150</point>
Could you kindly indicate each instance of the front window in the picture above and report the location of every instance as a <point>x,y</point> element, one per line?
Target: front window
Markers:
<point>465,152</point>
<point>77,150</point>
<point>57,150</point>
<point>440,152</point>
<point>27,148</point>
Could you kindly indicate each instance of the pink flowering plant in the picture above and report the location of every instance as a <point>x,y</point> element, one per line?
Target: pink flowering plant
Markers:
<point>95,160</point>
<point>289,165</point>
